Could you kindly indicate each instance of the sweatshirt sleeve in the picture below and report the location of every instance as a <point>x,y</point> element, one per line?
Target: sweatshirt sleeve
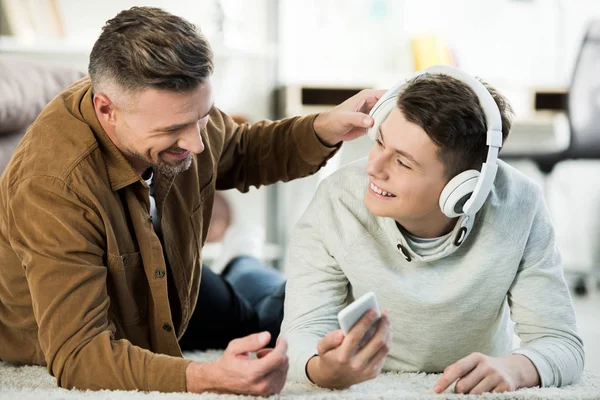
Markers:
<point>60,238</point>
<point>316,289</point>
<point>267,152</point>
<point>541,307</point>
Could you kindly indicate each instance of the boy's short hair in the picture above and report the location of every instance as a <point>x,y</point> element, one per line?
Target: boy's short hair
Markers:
<point>451,115</point>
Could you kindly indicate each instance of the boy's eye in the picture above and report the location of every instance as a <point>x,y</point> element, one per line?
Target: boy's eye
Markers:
<point>402,164</point>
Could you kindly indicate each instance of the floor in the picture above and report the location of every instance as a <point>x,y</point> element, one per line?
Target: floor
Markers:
<point>587,310</point>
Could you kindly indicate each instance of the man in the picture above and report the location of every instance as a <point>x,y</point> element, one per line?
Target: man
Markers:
<point>451,284</point>
<point>105,208</point>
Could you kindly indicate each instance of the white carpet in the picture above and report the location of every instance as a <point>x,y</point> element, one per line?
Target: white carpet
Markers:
<point>31,382</point>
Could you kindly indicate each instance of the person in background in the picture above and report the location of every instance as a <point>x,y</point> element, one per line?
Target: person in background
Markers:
<point>104,211</point>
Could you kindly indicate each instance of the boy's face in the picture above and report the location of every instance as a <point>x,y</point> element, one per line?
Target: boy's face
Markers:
<point>405,173</point>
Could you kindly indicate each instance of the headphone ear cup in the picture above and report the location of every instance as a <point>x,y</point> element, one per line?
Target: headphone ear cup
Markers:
<point>380,113</point>
<point>457,192</point>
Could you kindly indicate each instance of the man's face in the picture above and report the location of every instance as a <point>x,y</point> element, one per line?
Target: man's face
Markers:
<point>161,129</point>
<point>404,164</point>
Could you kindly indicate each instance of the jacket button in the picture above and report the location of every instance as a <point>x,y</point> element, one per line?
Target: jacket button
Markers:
<point>167,327</point>
<point>159,273</point>
<point>125,261</point>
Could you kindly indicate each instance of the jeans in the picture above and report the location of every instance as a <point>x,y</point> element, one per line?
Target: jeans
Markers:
<point>247,298</point>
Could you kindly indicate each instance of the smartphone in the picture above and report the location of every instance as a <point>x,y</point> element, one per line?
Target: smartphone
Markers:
<point>350,315</point>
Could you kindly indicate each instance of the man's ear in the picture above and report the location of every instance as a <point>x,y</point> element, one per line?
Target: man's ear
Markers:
<point>105,108</point>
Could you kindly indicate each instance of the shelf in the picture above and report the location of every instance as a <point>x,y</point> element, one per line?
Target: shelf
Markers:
<point>15,45</point>
<point>541,135</point>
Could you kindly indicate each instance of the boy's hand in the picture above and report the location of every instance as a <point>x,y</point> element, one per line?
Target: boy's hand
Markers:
<point>478,373</point>
<point>342,363</point>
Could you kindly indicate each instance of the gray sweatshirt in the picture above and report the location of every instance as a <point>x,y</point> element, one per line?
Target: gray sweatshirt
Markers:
<point>446,301</point>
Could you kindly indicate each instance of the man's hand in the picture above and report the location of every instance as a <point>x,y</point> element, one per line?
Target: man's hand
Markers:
<point>341,363</point>
<point>478,373</point>
<point>349,120</point>
<point>237,372</point>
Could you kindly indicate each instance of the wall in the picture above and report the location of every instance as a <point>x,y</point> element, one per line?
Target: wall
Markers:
<point>515,45</point>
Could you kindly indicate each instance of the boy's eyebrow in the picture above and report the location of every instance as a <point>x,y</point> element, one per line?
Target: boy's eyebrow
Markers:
<point>400,152</point>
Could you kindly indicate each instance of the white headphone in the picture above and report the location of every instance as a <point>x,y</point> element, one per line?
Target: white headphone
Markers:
<point>467,191</point>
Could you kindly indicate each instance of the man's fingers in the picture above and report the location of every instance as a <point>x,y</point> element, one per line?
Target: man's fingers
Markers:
<point>263,352</point>
<point>273,361</point>
<point>361,106</point>
<point>362,103</point>
<point>378,93</point>
<point>456,371</point>
<point>249,343</point>
<point>330,341</point>
<point>360,120</point>
<point>273,382</point>
<point>281,345</point>
<point>371,97</point>
<point>353,134</point>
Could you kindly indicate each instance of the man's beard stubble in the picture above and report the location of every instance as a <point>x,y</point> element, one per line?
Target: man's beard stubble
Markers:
<point>163,167</point>
<point>171,171</point>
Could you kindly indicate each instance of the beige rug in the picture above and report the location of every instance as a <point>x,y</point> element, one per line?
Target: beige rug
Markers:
<point>30,382</point>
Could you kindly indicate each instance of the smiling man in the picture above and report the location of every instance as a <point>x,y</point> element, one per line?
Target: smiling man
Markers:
<point>451,284</point>
<point>105,207</point>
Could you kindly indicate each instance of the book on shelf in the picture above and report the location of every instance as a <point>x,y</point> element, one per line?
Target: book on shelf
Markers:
<point>18,20</point>
<point>430,50</point>
<point>4,24</point>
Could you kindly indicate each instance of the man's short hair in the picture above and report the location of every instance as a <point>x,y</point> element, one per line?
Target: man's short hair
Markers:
<point>146,47</point>
<point>451,115</point>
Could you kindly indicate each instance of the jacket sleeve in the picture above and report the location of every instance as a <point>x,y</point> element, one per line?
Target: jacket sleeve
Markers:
<point>267,152</point>
<point>59,237</point>
<point>541,307</point>
<point>316,289</point>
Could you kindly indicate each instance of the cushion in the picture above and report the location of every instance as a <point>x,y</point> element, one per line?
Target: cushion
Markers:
<point>26,87</point>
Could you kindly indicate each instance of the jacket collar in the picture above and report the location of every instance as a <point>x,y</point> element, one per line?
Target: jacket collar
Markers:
<point>120,172</point>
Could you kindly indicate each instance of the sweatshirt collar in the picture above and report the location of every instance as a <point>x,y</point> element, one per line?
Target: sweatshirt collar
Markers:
<point>457,238</point>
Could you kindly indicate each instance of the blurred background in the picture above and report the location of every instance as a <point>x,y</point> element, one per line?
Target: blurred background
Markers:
<point>290,57</point>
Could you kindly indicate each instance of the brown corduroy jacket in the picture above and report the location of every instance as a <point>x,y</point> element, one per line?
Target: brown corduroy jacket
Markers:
<point>83,278</point>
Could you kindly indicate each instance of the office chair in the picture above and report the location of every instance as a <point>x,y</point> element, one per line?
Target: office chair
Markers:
<point>583,109</point>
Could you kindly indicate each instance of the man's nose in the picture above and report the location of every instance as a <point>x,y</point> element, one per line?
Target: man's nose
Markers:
<point>192,140</point>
